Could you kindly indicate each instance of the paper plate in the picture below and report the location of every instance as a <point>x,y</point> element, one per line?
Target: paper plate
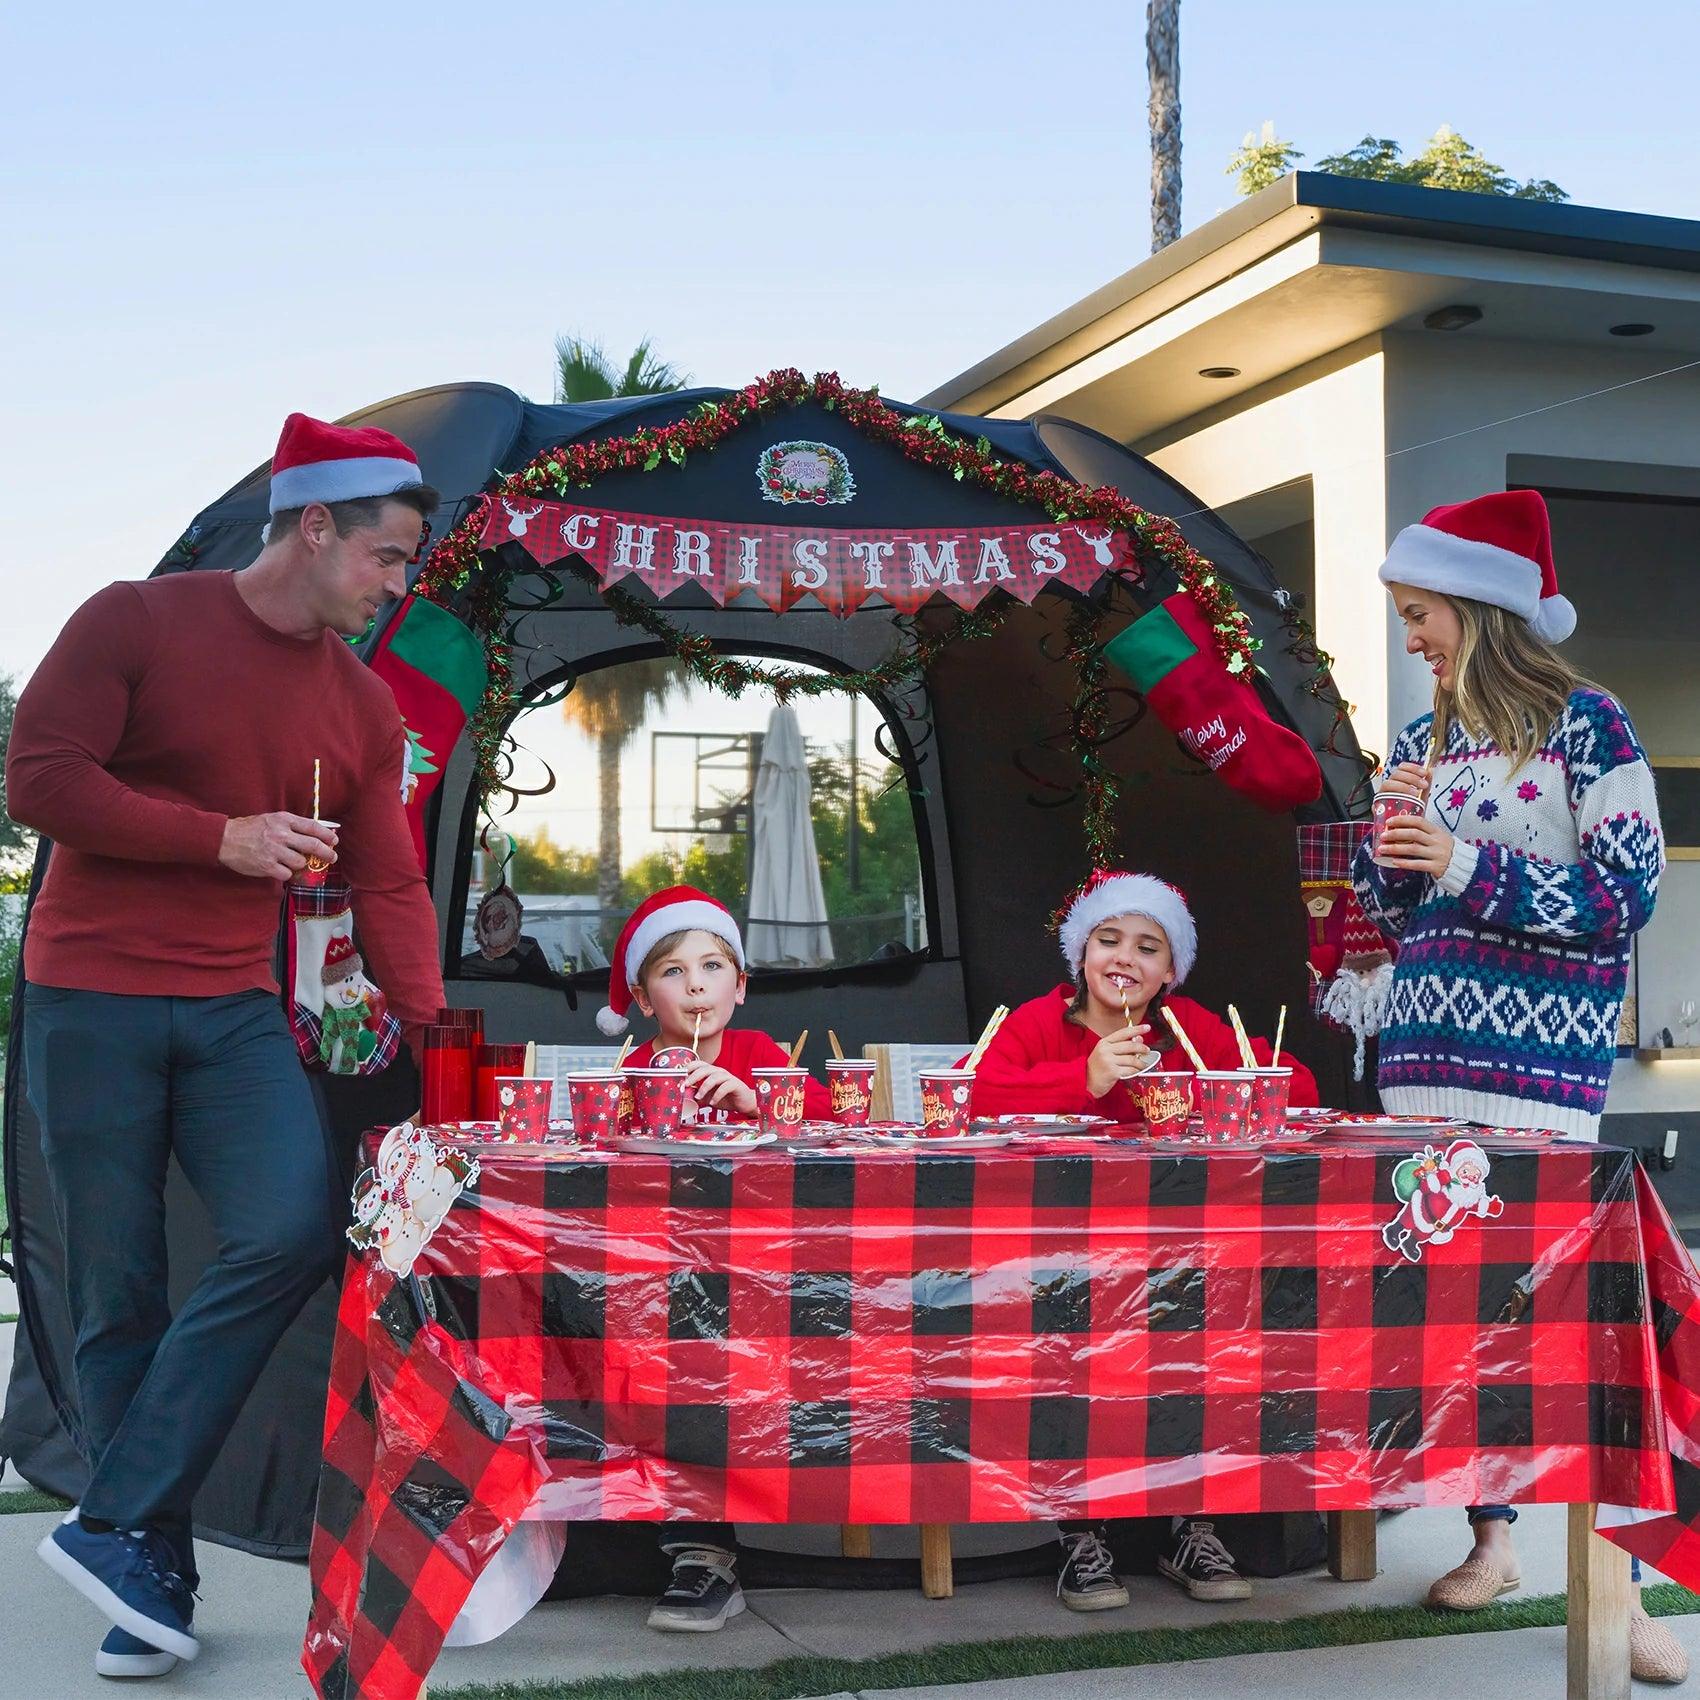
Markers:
<point>1396,1124</point>
<point>912,1139</point>
<point>660,1145</point>
<point>1040,1121</point>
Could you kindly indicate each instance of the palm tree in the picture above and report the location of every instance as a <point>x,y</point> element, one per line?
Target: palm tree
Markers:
<point>1163,112</point>
<point>583,372</point>
<point>610,707</point>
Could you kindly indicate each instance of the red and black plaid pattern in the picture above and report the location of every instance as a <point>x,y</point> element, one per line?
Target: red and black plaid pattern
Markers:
<point>1326,849</point>
<point>1056,1332</point>
<point>424,1475</point>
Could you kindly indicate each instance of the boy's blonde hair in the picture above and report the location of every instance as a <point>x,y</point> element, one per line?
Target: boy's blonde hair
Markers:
<point>663,947</point>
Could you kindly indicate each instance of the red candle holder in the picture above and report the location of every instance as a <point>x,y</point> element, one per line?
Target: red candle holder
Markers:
<point>446,1089</point>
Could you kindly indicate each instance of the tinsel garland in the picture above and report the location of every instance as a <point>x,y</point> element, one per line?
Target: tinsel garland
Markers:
<point>1157,544</point>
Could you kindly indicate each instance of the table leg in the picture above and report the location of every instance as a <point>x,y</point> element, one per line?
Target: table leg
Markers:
<point>1597,1628</point>
<point>1351,1546</point>
<point>937,1580</point>
<point>855,1540</point>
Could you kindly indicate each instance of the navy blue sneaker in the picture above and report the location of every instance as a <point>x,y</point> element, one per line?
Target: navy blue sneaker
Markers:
<point>128,1576</point>
<point>121,1654</point>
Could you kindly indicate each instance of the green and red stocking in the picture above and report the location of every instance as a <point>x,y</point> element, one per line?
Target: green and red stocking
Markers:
<point>1172,656</point>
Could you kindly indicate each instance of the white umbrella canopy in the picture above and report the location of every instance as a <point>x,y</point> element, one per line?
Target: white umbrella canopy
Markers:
<point>787,905</point>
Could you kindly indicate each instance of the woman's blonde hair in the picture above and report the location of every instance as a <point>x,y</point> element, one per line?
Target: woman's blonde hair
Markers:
<point>1508,684</point>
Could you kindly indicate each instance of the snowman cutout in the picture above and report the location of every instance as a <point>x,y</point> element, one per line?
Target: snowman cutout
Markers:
<point>402,1201</point>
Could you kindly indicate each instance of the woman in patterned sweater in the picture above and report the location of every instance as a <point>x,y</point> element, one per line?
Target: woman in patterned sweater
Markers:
<point>1515,892</point>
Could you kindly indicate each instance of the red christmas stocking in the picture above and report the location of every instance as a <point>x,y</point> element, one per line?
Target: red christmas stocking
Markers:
<point>1171,655</point>
<point>339,1018</point>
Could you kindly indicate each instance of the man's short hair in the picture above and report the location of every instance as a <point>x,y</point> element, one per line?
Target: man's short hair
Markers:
<point>359,515</point>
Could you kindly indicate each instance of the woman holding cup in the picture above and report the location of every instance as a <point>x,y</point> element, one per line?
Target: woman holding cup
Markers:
<point>1516,851</point>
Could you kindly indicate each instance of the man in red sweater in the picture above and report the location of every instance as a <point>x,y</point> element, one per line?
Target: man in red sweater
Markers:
<point>166,745</point>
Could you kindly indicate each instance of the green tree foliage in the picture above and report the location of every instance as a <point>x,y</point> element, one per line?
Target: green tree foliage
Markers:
<point>584,372</point>
<point>543,868</point>
<point>1448,161</point>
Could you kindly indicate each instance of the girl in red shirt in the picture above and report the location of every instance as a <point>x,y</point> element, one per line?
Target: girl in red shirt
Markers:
<point>1128,940</point>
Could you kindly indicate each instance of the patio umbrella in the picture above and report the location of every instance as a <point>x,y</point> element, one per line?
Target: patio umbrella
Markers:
<point>787,906</point>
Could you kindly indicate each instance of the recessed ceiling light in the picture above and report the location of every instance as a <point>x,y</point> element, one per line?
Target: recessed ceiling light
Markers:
<point>1632,330</point>
<point>1218,371</point>
<point>1453,318</point>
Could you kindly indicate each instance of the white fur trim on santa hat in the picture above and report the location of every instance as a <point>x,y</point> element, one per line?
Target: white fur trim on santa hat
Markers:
<point>1131,894</point>
<point>686,916</point>
<point>349,480</point>
<point>1432,559</point>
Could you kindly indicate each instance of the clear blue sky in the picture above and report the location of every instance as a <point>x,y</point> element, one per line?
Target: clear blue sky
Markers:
<point>217,214</point>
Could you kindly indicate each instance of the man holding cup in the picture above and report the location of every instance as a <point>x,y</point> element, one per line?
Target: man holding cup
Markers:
<point>167,745</point>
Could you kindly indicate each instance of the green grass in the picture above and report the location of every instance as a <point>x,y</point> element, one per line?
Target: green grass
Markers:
<point>27,1499</point>
<point>1035,1655</point>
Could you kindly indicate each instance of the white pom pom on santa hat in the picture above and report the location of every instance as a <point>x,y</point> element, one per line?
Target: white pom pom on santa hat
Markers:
<point>675,909</point>
<point>1496,548</point>
<point>1110,893</point>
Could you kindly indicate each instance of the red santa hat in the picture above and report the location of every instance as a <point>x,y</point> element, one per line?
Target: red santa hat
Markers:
<point>1497,549</point>
<point>1109,893</point>
<point>676,909</point>
<point>316,462</point>
<point>341,960</point>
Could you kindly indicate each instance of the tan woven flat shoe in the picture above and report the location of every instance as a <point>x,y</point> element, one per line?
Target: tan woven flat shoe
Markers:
<point>1474,1584</point>
<point>1655,1655</point>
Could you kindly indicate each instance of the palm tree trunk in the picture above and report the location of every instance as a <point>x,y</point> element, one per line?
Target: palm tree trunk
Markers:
<point>608,746</point>
<point>1163,71</point>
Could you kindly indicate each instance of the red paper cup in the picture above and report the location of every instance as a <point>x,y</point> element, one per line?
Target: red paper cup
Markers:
<point>1389,805</point>
<point>523,1105</point>
<point>658,1100</point>
<point>851,1080</point>
<point>1164,1097</point>
<point>446,1088</point>
<point>317,869</point>
<point>945,1097</point>
<point>1269,1090</point>
<point>1224,1103</point>
<point>490,1061</point>
<point>779,1098</point>
<point>594,1098</point>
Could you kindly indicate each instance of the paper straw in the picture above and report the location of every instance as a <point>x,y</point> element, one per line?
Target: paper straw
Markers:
<point>1186,1044</point>
<point>988,1034</point>
<point>696,1030</point>
<point>1247,1057</point>
<point>1127,1014</point>
<point>530,1057</point>
<point>315,787</point>
<point>797,1049</point>
<point>837,1049</point>
<point>1280,1029</point>
<point>625,1050</point>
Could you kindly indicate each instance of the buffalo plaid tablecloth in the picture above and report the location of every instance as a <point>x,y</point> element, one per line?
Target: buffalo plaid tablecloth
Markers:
<point>1032,1332</point>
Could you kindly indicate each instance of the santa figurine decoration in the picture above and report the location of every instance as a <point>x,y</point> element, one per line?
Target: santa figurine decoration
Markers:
<point>1437,1192</point>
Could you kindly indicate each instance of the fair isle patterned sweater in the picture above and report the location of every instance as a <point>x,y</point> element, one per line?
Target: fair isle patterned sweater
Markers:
<point>1506,996</point>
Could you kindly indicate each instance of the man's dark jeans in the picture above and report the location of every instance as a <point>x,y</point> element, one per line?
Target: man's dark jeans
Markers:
<point>120,1085</point>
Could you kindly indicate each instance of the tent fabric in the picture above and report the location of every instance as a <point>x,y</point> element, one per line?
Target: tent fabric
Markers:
<point>787,927</point>
<point>979,743</point>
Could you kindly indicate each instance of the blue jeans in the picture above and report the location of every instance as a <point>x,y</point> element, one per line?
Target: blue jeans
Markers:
<point>1504,1514</point>
<point>122,1084</point>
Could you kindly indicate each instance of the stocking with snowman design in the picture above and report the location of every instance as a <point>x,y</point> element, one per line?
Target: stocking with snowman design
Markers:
<point>339,1017</point>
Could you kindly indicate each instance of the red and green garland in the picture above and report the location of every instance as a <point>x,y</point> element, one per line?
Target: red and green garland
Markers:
<point>451,571</point>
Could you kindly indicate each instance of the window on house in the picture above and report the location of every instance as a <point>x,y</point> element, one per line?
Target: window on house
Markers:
<point>793,817</point>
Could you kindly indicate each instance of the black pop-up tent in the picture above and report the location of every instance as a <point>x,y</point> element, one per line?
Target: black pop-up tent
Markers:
<point>982,741</point>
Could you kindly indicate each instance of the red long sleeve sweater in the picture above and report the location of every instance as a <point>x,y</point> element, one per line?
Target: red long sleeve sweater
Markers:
<point>165,709</point>
<point>743,1049</point>
<point>1037,1062</point>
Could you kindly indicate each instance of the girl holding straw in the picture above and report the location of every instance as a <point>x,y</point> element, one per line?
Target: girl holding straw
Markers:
<point>1128,940</point>
<point>1515,890</point>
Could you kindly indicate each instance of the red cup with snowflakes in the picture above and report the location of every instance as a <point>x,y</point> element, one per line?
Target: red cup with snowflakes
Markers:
<point>1270,1088</point>
<point>779,1098</point>
<point>523,1103</point>
<point>851,1082</point>
<point>658,1100</point>
<point>593,1100</point>
<point>1164,1097</point>
<point>945,1097</point>
<point>1390,805</point>
<point>1224,1103</point>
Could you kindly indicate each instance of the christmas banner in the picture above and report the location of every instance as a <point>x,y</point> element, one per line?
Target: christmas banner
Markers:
<point>781,564</point>
<point>436,668</point>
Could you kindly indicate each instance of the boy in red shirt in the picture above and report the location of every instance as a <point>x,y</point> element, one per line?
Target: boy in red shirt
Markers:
<point>680,959</point>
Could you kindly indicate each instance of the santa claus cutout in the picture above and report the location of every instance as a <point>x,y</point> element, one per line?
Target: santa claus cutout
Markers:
<point>1437,1193</point>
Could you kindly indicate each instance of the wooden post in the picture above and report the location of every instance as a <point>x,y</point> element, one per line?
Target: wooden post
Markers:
<point>855,1540</point>
<point>1351,1546</point>
<point>1597,1626</point>
<point>937,1580</point>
